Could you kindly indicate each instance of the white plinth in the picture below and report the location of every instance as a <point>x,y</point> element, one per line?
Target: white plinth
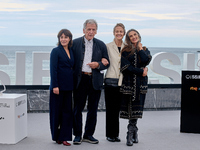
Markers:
<point>13,118</point>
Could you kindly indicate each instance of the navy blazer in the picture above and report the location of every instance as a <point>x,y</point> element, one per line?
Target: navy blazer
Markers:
<point>61,69</point>
<point>99,52</point>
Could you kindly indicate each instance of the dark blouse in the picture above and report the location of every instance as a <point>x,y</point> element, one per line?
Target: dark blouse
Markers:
<point>119,48</point>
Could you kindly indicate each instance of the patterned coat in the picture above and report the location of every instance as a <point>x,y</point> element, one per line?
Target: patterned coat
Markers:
<point>134,85</point>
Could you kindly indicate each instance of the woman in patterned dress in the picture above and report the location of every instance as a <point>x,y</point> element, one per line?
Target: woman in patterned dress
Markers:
<point>134,59</point>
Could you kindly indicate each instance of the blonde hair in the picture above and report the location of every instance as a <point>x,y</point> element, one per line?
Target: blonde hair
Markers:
<point>119,25</point>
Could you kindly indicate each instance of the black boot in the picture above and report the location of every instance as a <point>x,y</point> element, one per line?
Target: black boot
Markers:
<point>129,139</point>
<point>133,123</point>
<point>135,137</point>
<point>129,136</point>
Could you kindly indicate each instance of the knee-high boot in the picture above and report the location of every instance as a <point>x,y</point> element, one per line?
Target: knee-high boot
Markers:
<point>133,123</point>
<point>129,136</point>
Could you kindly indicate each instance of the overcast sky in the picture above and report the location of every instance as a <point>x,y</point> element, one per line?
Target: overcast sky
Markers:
<point>171,23</point>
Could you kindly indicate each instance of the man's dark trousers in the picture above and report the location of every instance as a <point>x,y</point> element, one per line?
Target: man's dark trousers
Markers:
<point>85,90</point>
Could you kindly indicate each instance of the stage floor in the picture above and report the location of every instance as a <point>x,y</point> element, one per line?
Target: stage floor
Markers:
<point>158,130</point>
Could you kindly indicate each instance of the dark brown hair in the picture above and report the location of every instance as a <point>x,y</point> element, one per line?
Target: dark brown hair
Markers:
<point>129,47</point>
<point>66,33</point>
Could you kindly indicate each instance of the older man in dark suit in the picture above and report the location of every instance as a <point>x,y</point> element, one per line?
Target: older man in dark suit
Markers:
<point>91,58</point>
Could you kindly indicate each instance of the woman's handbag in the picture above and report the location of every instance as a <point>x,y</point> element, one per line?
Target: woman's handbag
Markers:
<point>111,82</point>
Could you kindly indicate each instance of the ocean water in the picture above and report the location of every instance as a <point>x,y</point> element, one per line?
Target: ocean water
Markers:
<point>10,51</point>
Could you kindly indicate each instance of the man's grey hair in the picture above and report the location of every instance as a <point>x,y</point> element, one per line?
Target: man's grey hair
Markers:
<point>90,21</point>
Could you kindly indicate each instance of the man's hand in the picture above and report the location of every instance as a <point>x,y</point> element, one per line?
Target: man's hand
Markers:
<point>93,65</point>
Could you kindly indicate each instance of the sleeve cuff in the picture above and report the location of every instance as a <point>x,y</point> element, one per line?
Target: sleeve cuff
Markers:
<point>98,67</point>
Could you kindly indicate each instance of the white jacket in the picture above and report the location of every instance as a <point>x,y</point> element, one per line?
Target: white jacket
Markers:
<point>115,62</point>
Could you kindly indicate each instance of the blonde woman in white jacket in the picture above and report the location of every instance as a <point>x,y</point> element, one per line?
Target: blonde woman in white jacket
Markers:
<point>113,80</point>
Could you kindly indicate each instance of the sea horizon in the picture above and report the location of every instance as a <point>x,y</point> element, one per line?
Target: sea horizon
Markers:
<point>10,53</point>
<point>104,42</point>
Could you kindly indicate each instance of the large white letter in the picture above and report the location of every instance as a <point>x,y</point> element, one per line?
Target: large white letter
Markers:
<point>4,77</point>
<point>157,68</point>
<point>198,61</point>
<point>38,72</point>
<point>188,61</point>
<point>20,68</point>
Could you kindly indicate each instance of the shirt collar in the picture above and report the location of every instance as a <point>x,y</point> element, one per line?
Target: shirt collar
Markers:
<point>88,42</point>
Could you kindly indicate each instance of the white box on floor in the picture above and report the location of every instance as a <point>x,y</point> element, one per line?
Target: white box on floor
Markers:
<point>13,118</point>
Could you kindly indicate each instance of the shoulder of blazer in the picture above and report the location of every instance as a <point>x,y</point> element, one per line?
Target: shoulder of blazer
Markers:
<point>55,50</point>
<point>99,42</point>
<point>113,44</point>
<point>77,44</point>
<point>77,40</point>
<point>110,44</point>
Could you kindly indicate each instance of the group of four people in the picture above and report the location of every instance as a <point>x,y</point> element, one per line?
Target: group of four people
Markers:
<point>76,66</point>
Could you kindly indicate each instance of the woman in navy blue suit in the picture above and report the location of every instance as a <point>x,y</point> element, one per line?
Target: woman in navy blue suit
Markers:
<point>61,86</point>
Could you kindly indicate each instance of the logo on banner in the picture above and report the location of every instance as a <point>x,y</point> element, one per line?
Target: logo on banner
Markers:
<point>192,76</point>
<point>4,105</point>
<point>19,116</point>
<point>194,89</point>
<point>20,103</point>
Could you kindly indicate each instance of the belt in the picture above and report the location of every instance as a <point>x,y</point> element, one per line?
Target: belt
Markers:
<point>87,73</point>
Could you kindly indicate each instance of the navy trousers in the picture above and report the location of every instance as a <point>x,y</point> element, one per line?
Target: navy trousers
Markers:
<point>61,115</point>
<point>85,91</point>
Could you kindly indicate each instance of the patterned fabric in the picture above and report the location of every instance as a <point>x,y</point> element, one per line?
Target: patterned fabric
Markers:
<point>88,55</point>
<point>129,84</point>
<point>134,85</point>
<point>132,109</point>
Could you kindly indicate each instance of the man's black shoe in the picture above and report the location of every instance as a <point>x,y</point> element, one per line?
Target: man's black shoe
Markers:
<point>77,140</point>
<point>90,139</point>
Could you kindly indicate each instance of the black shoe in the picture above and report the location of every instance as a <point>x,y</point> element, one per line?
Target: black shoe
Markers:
<point>90,139</point>
<point>77,140</point>
<point>117,139</point>
<point>110,139</point>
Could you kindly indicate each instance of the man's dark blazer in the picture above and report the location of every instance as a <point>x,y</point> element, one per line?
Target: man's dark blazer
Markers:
<point>99,52</point>
<point>61,69</point>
